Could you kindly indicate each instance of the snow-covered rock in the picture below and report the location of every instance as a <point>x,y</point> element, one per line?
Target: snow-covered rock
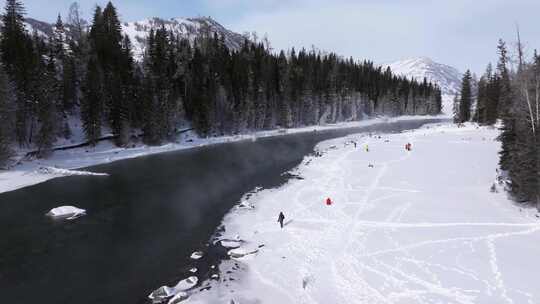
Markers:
<point>161,294</point>
<point>186,284</point>
<point>179,297</point>
<point>241,252</point>
<point>176,293</point>
<point>230,243</point>
<point>66,212</point>
<point>197,255</point>
<point>193,270</point>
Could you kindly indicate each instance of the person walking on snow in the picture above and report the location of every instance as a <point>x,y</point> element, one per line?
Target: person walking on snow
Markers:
<point>367,148</point>
<point>280,219</point>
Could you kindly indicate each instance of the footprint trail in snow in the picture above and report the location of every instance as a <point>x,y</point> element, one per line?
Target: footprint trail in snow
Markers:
<point>414,227</point>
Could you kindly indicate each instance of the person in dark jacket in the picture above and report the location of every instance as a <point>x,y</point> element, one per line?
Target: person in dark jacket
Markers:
<point>280,219</point>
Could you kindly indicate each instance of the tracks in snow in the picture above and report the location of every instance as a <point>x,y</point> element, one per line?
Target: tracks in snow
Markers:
<point>377,244</point>
<point>355,260</point>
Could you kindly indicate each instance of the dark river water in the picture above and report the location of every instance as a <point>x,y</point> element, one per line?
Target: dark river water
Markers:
<point>143,221</point>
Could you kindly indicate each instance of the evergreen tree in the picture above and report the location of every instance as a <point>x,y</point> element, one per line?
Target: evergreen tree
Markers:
<point>162,98</point>
<point>508,135</point>
<point>92,103</point>
<point>46,99</point>
<point>285,110</point>
<point>112,53</point>
<point>488,95</point>
<point>200,96</point>
<point>6,118</point>
<point>69,85</point>
<point>455,109</point>
<point>481,101</point>
<point>65,65</point>
<point>59,39</point>
<point>515,100</point>
<point>13,36</point>
<point>111,60</point>
<point>132,81</point>
<point>523,167</point>
<point>17,53</point>
<point>465,101</point>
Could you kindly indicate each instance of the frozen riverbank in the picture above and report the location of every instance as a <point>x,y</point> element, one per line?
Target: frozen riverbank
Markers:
<point>416,227</point>
<point>28,173</point>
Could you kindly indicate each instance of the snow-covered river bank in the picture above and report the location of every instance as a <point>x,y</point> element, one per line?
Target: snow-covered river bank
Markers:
<point>29,173</point>
<point>404,227</point>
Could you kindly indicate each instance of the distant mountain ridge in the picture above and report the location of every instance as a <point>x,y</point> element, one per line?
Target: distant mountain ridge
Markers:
<point>138,31</point>
<point>448,78</point>
<point>188,28</point>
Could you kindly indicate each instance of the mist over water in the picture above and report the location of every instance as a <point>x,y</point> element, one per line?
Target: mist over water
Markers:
<point>142,222</point>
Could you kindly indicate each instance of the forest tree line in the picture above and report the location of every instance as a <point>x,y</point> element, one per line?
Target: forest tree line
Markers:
<point>512,97</point>
<point>89,71</point>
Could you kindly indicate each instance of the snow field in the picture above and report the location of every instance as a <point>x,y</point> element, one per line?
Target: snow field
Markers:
<point>418,227</point>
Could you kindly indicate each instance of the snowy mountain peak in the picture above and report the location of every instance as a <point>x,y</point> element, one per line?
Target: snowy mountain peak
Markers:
<point>138,31</point>
<point>185,27</point>
<point>418,61</point>
<point>448,78</point>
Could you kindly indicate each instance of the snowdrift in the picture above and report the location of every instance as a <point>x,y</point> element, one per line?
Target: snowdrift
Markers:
<point>66,172</point>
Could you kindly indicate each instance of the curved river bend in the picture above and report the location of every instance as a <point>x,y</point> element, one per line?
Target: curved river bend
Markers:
<point>142,222</point>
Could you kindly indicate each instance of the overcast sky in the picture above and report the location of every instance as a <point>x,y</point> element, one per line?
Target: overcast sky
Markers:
<point>461,33</point>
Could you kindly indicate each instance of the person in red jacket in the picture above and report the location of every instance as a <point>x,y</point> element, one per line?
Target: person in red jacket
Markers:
<point>328,202</point>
